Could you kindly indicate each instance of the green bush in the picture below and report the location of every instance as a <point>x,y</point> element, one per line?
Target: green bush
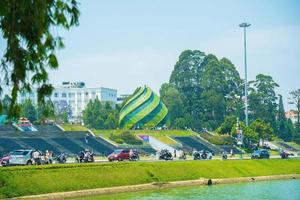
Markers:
<point>119,140</point>
<point>218,139</point>
<point>125,137</point>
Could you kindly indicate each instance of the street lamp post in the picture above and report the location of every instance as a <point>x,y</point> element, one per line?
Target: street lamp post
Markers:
<point>245,25</point>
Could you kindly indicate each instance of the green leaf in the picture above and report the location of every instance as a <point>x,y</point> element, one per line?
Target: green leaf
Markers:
<point>53,61</point>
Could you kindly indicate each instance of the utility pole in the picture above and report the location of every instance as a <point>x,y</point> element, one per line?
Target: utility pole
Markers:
<point>244,26</point>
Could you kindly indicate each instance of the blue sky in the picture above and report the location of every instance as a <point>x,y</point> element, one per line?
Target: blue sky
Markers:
<point>126,44</point>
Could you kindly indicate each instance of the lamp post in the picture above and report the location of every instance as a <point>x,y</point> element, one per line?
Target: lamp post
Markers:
<point>245,25</point>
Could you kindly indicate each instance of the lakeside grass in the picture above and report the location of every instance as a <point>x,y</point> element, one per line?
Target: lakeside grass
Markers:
<point>30,180</point>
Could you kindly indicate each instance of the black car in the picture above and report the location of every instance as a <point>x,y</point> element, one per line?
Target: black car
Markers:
<point>261,153</point>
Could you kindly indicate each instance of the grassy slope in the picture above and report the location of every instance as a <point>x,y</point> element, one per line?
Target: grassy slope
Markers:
<point>73,127</point>
<point>17,181</point>
<point>161,135</point>
<point>295,145</point>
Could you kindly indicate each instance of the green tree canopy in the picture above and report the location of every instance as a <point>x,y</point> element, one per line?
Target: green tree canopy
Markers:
<point>285,129</point>
<point>263,130</point>
<point>210,88</point>
<point>28,110</point>
<point>174,102</point>
<point>30,31</point>
<point>262,99</point>
<point>227,125</point>
<point>295,100</point>
<point>100,116</point>
<point>45,110</point>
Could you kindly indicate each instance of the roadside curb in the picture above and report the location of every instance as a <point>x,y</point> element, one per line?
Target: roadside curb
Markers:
<point>151,186</point>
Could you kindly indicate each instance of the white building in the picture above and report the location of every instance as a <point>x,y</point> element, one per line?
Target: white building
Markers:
<point>122,98</point>
<point>75,96</point>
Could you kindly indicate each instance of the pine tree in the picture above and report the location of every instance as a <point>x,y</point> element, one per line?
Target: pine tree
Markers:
<point>285,130</point>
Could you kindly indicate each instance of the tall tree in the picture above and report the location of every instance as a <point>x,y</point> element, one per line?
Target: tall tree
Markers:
<point>186,78</point>
<point>285,128</point>
<point>28,110</point>
<point>100,116</point>
<point>45,110</point>
<point>30,31</point>
<point>262,99</point>
<point>295,100</point>
<point>5,104</point>
<point>211,88</point>
<point>174,102</point>
<point>221,94</point>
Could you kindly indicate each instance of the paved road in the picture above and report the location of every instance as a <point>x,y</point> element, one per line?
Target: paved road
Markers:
<point>214,158</point>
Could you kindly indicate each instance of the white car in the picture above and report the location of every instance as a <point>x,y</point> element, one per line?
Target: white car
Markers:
<point>21,157</point>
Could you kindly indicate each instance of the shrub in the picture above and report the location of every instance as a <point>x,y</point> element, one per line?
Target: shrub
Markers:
<point>218,139</point>
<point>125,137</point>
<point>119,141</point>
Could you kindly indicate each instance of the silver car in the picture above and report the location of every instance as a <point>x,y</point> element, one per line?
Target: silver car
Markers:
<point>21,157</point>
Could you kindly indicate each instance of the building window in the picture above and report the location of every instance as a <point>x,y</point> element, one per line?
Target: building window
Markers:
<point>63,95</point>
<point>55,94</point>
<point>71,95</point>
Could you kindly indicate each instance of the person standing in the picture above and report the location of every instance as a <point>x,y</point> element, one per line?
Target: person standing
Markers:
<point>36,157</point>
<point>174,153</point>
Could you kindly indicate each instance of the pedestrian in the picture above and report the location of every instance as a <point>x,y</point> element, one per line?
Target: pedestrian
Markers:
<point>36,157</point>
<point>47,156</point>
<point>131,154</point>
<point>174,153</point>
<point>86,138</point>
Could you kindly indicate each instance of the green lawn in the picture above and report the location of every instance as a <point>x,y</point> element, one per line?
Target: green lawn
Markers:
<point>295,145</point>
<point>28,180</point>
<point>73,127</point>
<point>162,135</point>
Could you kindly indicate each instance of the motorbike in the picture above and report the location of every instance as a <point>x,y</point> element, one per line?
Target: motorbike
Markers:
<point>224,156</point>
<point>182,156</point>
<point>284,155</point>
<point>202,155</point>
<point>165,155</point>
<point>84,157</point>
<point>134,157</point>
<point>62,158</point>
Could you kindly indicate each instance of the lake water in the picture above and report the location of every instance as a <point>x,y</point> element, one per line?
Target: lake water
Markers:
<point>273,190</point>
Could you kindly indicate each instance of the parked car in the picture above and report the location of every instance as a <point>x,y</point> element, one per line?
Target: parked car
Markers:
<point>165,155</point>
<point>21,157</point>
<point>260,154</point>
<point>202,155</point>
<point>123,154</point>
<point>4,161</point>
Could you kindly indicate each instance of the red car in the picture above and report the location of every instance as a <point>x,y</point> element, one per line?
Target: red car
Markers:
<point>4,161</point>
<point>123,154</point>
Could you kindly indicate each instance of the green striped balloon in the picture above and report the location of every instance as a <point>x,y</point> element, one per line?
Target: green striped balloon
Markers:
<point>144,109</point>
